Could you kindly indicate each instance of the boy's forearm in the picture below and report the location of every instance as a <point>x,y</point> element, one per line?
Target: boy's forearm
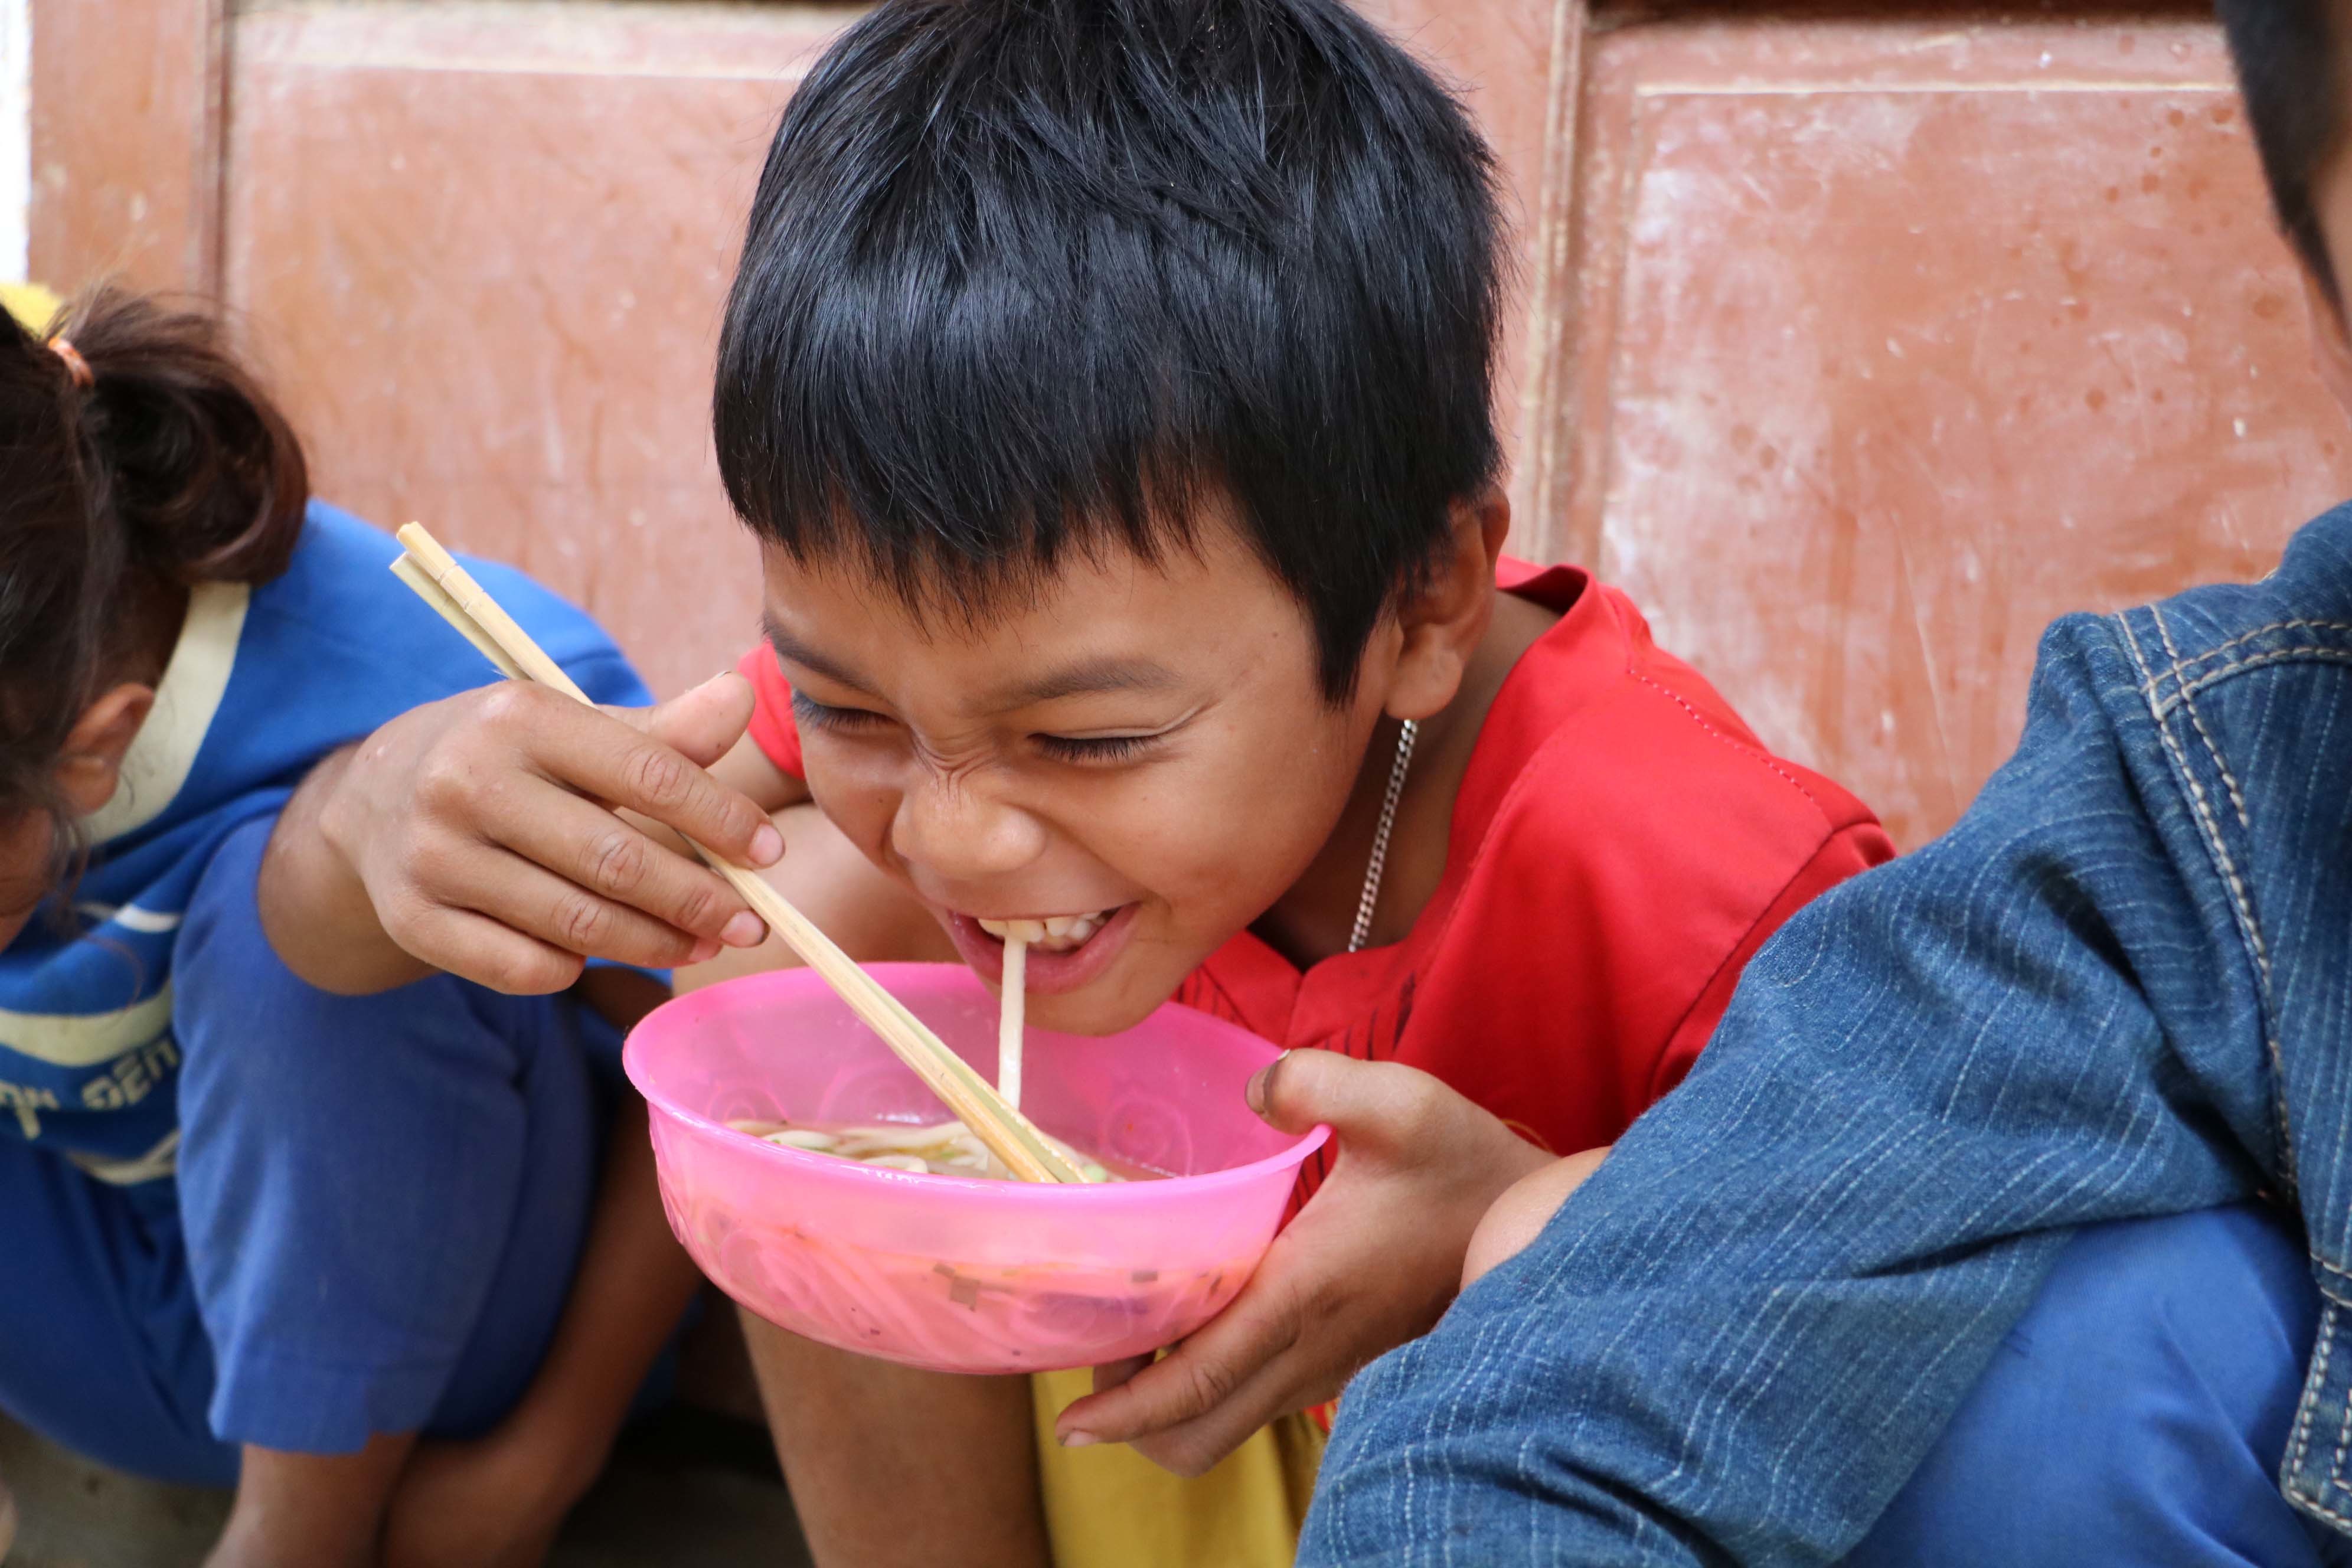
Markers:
<point>315,909</point>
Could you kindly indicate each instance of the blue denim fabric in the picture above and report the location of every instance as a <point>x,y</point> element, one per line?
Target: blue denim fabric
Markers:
<point>2121,986</point>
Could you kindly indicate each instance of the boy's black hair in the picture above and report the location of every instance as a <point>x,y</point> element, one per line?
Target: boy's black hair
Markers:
<point>2289,69</point>
<point>1033,277</point>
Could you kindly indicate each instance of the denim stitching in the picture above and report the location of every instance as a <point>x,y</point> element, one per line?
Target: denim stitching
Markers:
<point>2302,1494</point>
<point>2321,653</point>
<point>2249,931</point>
<point>2237,800</point>
<point>2313,1385</point>
<point>2313,1505</point>
<point>2253,933</point>
<point>2343,1438</point>
<point>2181,666</point>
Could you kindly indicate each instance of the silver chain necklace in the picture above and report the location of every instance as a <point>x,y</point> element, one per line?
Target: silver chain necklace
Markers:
<point>1371,899</point>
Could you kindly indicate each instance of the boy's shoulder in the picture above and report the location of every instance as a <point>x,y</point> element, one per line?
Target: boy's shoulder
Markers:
<point>1623,843</point>
<point>1600,734</point>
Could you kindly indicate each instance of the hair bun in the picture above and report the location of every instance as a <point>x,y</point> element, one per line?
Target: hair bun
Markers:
<point>183,449</point>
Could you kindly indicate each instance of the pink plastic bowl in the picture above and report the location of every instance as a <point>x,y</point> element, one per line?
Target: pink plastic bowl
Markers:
<point>940,1271</point>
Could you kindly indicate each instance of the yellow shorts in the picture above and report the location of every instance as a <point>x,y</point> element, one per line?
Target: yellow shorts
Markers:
<point>1109,1506</point>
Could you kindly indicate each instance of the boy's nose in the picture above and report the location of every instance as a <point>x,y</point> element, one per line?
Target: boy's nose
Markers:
<point>962,831</point>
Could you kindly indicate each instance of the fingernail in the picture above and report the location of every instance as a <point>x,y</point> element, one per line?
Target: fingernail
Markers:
<point>1079,1440</point>
<point>1255,1092</point>
<point>766,845</point>
<point>704,951</point>
<point>744,929</point>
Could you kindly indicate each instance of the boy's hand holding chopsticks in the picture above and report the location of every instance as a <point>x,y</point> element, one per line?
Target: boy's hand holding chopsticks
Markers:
<point>476,835</point>
<point>490,837</point>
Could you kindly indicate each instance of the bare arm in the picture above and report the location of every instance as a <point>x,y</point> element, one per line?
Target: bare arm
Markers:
<point>499,1499</point>
<point>634,1280</point>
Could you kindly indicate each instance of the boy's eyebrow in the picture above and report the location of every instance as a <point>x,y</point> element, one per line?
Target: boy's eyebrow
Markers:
<point>1088,675</point>
<point>790,646</point>
<point>1081,678</point>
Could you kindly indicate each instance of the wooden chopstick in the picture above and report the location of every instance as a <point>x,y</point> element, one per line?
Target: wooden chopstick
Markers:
<point>437,578</point>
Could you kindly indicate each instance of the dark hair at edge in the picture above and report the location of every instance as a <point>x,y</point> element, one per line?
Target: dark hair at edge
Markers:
<point>171,469</point>
<point>2288,60</point>
<point>1025,279</point>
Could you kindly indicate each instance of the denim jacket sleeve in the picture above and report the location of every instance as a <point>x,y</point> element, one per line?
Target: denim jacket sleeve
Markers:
<point>1737,1341</point>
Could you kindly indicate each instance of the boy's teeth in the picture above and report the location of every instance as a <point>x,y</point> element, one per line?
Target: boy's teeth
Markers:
<point>1059,934</point>
<point>1031,931</point>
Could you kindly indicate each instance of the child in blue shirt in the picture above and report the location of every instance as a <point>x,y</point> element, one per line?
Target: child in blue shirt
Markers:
<point>321,1247</point>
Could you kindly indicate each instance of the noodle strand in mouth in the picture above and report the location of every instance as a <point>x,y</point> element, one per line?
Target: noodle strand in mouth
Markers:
<point>1009,1028</point>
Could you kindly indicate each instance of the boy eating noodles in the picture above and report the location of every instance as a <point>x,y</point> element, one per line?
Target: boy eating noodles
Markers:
<point>1108,384</point>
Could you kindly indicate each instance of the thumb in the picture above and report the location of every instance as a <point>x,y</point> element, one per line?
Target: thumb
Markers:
<point>1366,1104</point>
<point>702,724</point>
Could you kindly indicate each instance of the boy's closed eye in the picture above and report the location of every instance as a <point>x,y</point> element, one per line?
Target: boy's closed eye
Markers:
<point>1097,749</point>
<point>810,714</point>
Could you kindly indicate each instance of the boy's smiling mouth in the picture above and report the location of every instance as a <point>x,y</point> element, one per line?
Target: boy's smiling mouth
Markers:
<point>1066,951</point>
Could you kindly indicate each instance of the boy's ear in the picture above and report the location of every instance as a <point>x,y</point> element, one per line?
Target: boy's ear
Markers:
<point>91,763</point>
<point>2331,340</point>
<point>1444,618</point>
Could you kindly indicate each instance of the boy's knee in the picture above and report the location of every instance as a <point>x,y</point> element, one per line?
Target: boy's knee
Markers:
<point>2137,1413</point>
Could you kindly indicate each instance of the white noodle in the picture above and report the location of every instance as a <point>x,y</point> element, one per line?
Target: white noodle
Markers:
<point>944,1149</point>
<point>1009,1034</point>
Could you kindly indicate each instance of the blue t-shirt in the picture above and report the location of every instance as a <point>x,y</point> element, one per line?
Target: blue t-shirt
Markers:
<point>263,683</point>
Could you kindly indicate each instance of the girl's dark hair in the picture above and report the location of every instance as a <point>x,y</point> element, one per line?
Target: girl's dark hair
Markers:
<point>2289,69</point>
<point>170,468</point>
<point>1029,276</point>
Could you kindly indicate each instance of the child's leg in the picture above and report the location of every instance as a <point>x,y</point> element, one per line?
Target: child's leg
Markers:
<point>385,1197</point>
<point>892,1467</point>
<point>886,1465</point>
<point>2137,1414</point>
<point>629,1296</point>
